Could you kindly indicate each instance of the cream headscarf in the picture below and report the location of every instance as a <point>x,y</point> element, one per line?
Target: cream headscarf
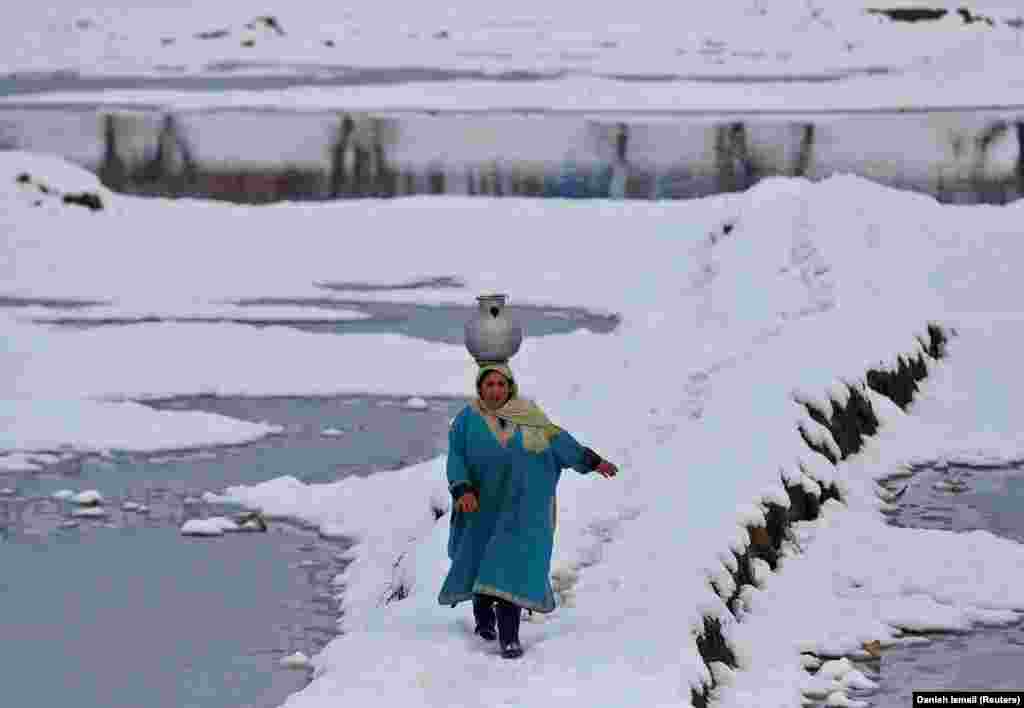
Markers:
<point>538,431</point>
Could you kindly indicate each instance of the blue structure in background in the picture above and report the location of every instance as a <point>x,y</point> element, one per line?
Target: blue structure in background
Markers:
<point>574,182</point>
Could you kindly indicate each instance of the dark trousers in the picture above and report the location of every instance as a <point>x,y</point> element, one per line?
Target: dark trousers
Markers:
<point>487,609</point>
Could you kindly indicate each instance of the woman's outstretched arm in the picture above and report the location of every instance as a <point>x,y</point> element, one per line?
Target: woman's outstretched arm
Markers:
<point>569,453</point>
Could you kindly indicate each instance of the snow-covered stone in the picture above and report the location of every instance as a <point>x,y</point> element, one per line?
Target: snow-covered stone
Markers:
<point>89,497</point>
<point>214,526</point>
<point>809,661</point>
<point>298,660</point>
<point>722,673</point>
<point>838,699</point>
<point>836,668</point>
<point>856,679</point>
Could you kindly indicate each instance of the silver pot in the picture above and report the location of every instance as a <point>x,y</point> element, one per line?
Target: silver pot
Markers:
<point>491,335</point>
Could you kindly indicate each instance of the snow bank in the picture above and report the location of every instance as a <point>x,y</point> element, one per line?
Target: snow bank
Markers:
<point>52,422</point>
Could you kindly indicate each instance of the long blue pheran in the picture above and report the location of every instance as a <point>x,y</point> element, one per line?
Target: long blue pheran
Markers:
<point>504,548</point>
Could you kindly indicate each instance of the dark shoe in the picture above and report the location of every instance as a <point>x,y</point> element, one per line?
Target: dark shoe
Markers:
<point>508,616</point>
<point>483,613</point>
<point>511,650</point>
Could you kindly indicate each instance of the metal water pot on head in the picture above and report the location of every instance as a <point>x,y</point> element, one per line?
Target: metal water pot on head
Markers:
<point>491,334</point>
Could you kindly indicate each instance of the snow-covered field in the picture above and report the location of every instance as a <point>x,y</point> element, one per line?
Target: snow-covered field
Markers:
<point>752,37</point>
<point>627,56</point>
<point>736,310</point>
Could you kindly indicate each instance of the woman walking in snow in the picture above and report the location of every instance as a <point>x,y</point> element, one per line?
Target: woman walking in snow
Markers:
<point>504,462</point>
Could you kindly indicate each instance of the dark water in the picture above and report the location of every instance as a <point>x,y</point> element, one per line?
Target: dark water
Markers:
<point>957,499</point>
<point>964,499</point>
<point>124,611</point>
<point>435,323</point>
<point>377,433</point>
<point>220,78</point>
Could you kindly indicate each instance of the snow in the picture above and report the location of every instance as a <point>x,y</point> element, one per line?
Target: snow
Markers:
<point>18,462</point>
<point>734,38</point>
<point>90,512</point>
<point>298,660</point>
<point>214,526</point>
<point>840,699</point>
<point>835,669</point>
<point>857,680</point>
<point>416,403</point>
<point>49,422</point>
<point>699,396</point>
<point>88,498</point>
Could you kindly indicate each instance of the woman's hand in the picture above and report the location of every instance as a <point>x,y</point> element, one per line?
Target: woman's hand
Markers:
<point>606,469</point>
<point>467,503</point>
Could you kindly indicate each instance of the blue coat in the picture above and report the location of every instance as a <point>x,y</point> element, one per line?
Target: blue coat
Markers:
<point>504,548</point>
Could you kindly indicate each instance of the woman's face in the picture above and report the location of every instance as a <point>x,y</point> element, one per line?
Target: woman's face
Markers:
<point>494,389</point>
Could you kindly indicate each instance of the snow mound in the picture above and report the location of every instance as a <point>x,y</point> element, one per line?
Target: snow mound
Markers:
<point>39,180</point>
<point>215,526</point>
<point>416,403</point>
<point>90,497</point>
<point>298,660</point>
